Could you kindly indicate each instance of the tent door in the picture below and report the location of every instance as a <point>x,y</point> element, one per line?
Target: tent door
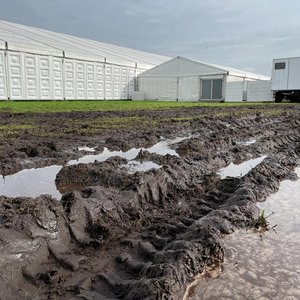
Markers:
<point>212,89</point>
<point>188,88</point>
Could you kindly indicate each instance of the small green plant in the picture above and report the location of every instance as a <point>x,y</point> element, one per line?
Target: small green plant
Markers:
<point>261,223</point>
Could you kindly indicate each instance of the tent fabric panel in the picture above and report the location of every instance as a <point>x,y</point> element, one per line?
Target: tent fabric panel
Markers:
<point>3,88</point>
<point>189,88</point>
<point>259,91</point>
<point>158,88</point>
<point>28,38</point>
<point>180,66</point>
<point>234,91</point>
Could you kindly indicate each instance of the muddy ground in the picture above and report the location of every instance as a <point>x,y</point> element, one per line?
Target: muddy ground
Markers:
<point>143,235</point>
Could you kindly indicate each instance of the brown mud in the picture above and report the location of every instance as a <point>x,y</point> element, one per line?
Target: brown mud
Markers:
<point>142,235</point>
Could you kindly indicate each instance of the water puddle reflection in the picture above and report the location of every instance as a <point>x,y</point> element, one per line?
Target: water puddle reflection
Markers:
<point>161,148</point>
<point>87,149</point>
<point>137,166</point>
<point>31,183</point>
<point>240,170</point>
<point>35,182</point>
<point>261,266</point>
<point>247,143</point>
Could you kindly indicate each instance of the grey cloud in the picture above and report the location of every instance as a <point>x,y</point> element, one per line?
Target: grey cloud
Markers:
<point>243,34</point>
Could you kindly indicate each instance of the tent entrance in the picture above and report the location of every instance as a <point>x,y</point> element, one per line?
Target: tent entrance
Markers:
<point>212,89</point>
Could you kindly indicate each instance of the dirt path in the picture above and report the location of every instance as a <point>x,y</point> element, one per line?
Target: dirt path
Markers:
<point>143,235</point>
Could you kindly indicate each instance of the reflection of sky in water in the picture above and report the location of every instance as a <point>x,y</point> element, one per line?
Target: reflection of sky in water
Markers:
<point>35,182</point>
<point>266,267</point>
<point>87,149</point>
<point>31,183</point>
<point>247,143</point>
<point>161,148</point>
<point>103,156</point>
<point>242,169</point>
<point>136,166</point>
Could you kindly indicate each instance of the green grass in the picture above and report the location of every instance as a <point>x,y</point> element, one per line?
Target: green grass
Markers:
<point>14,130</point>
<point>15,127</point>
<point>72,106</point>
<point>97,125</point>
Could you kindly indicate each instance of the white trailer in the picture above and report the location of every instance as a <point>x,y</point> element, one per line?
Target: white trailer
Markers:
<point>286,79</point>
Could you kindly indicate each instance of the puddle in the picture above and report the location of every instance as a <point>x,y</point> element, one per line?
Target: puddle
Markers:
<point>247,143</point>
<point>261,267</point>
<point>35,182</point>
<point>161,148</point>
<point>136,166</point>
<point>106,154</point>
<point>31,183</point>
<point>240,170</point>
<point>87,149</point>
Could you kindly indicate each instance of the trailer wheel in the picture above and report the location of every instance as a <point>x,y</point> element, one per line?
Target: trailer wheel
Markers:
<point>278,97</point>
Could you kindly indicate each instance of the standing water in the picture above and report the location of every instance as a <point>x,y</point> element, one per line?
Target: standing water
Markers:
<point>260,266</point>
<point>35,182</point>
<point>241,169</point>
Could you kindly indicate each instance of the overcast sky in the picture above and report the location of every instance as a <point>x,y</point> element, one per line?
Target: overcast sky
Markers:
<point>245,34</point>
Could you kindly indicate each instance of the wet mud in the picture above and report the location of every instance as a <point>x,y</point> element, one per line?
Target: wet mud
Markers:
<point>117,234</point>
<point>259,264</point>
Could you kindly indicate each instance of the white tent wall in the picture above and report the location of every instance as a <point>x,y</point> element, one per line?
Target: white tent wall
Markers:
<point>183,88</point>
<point>170,88</point>
<point>109,82</point>
<point>33,77</point>
<point>247,89</point>
<point>259,91</point>
<point>95,80</point>
<point>49,74</point>
<point>74,79</point>
<point>189,88</point>
<point>158,88</point>
<point>3,88</point>
<point>194,81</point>
<point>28,76</point>
<point>131,82</point>
<point>37,64</point>
<point>2,45</point>
<point>117,83</point>
<point>234,89</point>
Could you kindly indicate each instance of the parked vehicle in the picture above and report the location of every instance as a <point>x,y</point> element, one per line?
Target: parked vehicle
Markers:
<point>286,79</point>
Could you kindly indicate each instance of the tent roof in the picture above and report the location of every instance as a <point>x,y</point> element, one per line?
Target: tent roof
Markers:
<point>34,40</point>
<point>25,38</point>
<point>180,66</point>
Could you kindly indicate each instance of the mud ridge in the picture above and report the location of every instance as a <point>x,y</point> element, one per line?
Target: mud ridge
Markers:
<point>144,242</point>
<point>143,235</point>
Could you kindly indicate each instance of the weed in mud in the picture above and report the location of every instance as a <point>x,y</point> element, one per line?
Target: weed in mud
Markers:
<point>261,223</point>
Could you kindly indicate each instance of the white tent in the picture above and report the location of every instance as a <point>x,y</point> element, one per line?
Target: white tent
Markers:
<point>183,79</point>
<point>36,64</point>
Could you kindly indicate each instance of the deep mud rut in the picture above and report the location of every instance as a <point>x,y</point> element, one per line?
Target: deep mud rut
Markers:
<point>142,235</point>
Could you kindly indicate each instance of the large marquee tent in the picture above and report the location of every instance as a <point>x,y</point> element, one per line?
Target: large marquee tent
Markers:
<point>37,64</point>
<point>183,79</point>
